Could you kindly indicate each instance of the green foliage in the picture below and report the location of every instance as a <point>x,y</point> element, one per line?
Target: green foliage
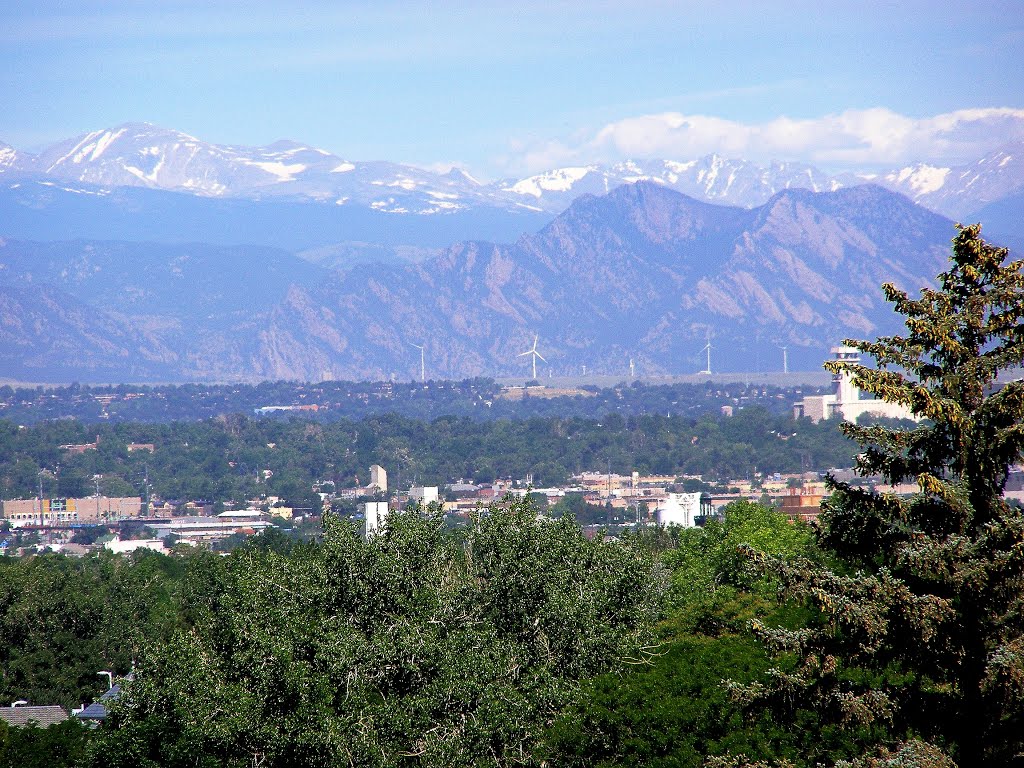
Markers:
<point>921,632</point>
<point>675,710</point>
<point>447,648</point>
<point>64,619</point>
<point>710,572</point>
<point>223,459</point>
<point>478,399</point>
<point>62,745</point>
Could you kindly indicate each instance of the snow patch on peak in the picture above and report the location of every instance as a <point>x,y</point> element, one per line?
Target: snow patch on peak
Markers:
<point>402,182</point>
<point>922,179</point>
<point>100,146</point>
<point>282,171</point>
<point>678,167</point>
<point>343,167</point>
<point>457,174</point>
<point>558,180</point>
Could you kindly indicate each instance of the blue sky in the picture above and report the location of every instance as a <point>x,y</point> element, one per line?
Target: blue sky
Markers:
<point>510,88</point>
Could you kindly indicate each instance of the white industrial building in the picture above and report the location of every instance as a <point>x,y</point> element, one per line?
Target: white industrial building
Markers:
<point>423,494</point>
<point>119,547</point>
<point>845,401</point>
<point>680,509</point>
<point>375,514</point>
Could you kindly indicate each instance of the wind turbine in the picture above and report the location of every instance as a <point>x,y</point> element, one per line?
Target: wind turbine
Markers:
<point>785,360</point>
<point>533,351</point>
<point>631,367</point>
<point>423,366</point>
<point>707,348</point>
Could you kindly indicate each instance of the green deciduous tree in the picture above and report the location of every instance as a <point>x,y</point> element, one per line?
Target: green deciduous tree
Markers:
<point>920,631</point>
<point>422,646</point>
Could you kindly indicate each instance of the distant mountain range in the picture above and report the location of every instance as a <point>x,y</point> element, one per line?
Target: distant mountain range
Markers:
<point>642,273</point>
<point>140,155</point>
<point>140,253</point>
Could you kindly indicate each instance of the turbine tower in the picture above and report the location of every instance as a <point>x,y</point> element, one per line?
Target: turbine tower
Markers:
<point>631,368</point>
<point>533,351</point>
<point>423,365</point>
<point>785,360</point>
<point>707,349</point>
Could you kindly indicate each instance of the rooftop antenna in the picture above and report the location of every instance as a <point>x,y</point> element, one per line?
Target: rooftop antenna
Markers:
<point>707,349</point>
<point>423,365</point>
<point>533,351</point>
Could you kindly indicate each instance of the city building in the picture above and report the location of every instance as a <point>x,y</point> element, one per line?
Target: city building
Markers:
<point>803,503</point>
<point>378,479</point>
<point>22,715</point>
<point>682,509</point>
<point>208,529</point>
<point>60,511</point>
<point>846,402</point>
<point>375,516</point>
<point>423,495</point>
<point>119,547</point>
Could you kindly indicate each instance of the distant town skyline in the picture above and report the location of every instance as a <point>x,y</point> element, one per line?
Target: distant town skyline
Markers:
<point>507,90</point>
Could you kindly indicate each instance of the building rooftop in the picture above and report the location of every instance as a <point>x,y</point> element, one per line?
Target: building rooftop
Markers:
<point>43,717</point>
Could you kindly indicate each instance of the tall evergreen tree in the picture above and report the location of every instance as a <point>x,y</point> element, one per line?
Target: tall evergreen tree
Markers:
<point>918,637</point>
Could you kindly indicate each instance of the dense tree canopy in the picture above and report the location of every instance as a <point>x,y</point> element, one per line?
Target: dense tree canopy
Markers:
<point>62,620</point>
<point>450,648</point>
<point>229,457</point>
<point>920,629</point>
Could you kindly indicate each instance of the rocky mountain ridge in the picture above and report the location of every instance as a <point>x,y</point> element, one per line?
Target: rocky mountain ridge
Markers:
<point>643,273</point>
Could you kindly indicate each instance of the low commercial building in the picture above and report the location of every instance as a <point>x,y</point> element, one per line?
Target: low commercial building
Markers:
<point>208,529</point>
<point>119,547</point>
<point>423,494</point>
<point>803,503</point>
<point>57,512</point>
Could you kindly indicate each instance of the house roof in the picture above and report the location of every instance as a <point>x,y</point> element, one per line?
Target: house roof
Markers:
<point>97,710</point>
<point>41,716</point>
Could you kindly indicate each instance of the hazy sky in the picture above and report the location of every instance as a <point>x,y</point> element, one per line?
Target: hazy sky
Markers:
<point>504,88</point>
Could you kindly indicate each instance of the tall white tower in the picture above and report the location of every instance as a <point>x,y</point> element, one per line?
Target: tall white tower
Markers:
<point>379,478</point>
<point>376,514</point>
<point>845,390</point>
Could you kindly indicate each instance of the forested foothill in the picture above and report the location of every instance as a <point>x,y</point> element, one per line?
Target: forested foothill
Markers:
<point>888,635</point>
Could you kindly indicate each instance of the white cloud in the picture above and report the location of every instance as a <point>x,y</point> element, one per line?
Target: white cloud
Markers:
<point>854,139</point>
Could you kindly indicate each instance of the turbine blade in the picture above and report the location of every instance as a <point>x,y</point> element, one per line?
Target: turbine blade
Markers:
<point>538,354</point>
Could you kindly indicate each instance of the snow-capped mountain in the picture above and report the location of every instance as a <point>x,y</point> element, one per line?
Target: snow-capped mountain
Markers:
<point>9,157</point>
<point>960,190</point>
<point>712,178</point>
<point>144,155</point>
